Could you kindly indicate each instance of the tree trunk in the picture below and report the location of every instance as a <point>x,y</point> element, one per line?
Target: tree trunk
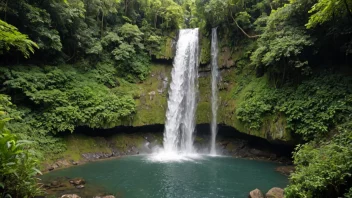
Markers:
<point>155,19</point>
<point>5,11</point>
<point>126,6</point>
<point>102,24</point>
<point>348,9</point>
<point>239,27</point>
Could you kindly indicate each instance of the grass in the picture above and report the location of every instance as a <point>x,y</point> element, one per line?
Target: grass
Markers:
<point>78,144</point>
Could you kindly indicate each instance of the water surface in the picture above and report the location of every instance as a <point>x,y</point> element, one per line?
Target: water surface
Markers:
<point>137,177</point>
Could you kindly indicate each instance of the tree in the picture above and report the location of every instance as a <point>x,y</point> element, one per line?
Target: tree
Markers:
<point>170,13</point>
<point>327,10</point>
<point>10,37</point>
<point>282,42</point>
<point>323,169</point>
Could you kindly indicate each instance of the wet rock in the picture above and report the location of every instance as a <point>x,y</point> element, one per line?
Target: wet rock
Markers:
<point>96,156</point>
<point>275,193</point>
<point>151,95</point>
<point>53,166</point>
<point>80,186</point>
<point>77,181</point>
<point>70,196</point>
<point>74,163</point>
<point>260,153</point>
<point>164,83</point>
<point>47,186</point>
<point>285,170</point>
<point>256,193</point>
<point>63,163</point>
<point>55,184</point>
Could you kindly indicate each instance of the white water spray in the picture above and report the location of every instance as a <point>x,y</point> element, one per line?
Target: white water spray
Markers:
<point>214,89</point>
<point>182,101</point>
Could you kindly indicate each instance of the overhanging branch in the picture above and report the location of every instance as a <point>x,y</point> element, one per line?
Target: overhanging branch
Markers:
<point>242,30</point>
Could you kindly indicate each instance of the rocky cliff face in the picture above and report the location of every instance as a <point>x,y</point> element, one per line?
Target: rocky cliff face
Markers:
<point>86,145</point>
<point>152,104</point>
<point>153,93</point>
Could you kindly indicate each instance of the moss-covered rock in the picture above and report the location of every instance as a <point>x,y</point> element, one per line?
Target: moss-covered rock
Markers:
<point>237,80</point>
<point>78,144</point>
<point>152,100</point>
<point>205,50</point>
<point>167,47</point>
<point>82,148</point>
<point>232,90</point>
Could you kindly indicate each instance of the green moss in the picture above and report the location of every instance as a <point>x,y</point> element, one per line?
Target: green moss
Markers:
<point>151,108</point>
<point>199,139</point>
<point>205,53</point>
<point>234,86</point>
<point>204,109</point>
<point>166,47</point>
<point>78,144</point>
<point>230,146</point>
<point>124,142</point>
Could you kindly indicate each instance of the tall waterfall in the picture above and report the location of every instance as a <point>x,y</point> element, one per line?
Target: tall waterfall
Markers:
<point>182,101</point>
<point>214,89</point>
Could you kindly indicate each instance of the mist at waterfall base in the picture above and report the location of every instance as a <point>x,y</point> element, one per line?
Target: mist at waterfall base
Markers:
<point>136,177</point>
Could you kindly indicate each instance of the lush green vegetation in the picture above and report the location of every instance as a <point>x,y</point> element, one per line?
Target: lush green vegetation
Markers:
<point>18,164</point>
<point>71,63</point>
<point>323,168</point>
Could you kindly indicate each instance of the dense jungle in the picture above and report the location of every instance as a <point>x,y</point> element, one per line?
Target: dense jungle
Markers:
<point>68,66</point>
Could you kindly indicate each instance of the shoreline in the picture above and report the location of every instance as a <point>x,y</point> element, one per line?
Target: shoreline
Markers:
<point>260,159</point>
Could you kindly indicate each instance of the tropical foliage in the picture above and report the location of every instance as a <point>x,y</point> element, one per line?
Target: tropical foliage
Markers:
<point>17,164</point>
<point>84,59</point>
<point>311,109</point>
<point>10,37</point>
<point>323,168</point>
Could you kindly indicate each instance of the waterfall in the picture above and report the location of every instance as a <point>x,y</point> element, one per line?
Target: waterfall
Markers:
<point>214,89</point>
<point>182,101</point>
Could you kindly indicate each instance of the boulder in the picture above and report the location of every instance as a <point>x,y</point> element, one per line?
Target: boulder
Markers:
<point>70,196</point>
<point>275,193</point>
<point>285,170</point>
<point>54,166</point>
<point>55,184</point>
<point>77,181</point>
<point>256,193</point>
<point>80,186</point>
<point>63,163</point>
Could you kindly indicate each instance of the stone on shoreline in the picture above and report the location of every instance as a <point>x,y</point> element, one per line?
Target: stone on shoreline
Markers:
<point>70,196</point>
<point>285,170</point>
<point>275,193</point>
<point>77,181</point>
<point>256,193</point>
<point>80,186</point>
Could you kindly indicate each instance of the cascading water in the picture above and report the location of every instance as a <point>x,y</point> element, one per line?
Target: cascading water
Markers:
<point>214,89</point>
<point>182,101</point>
